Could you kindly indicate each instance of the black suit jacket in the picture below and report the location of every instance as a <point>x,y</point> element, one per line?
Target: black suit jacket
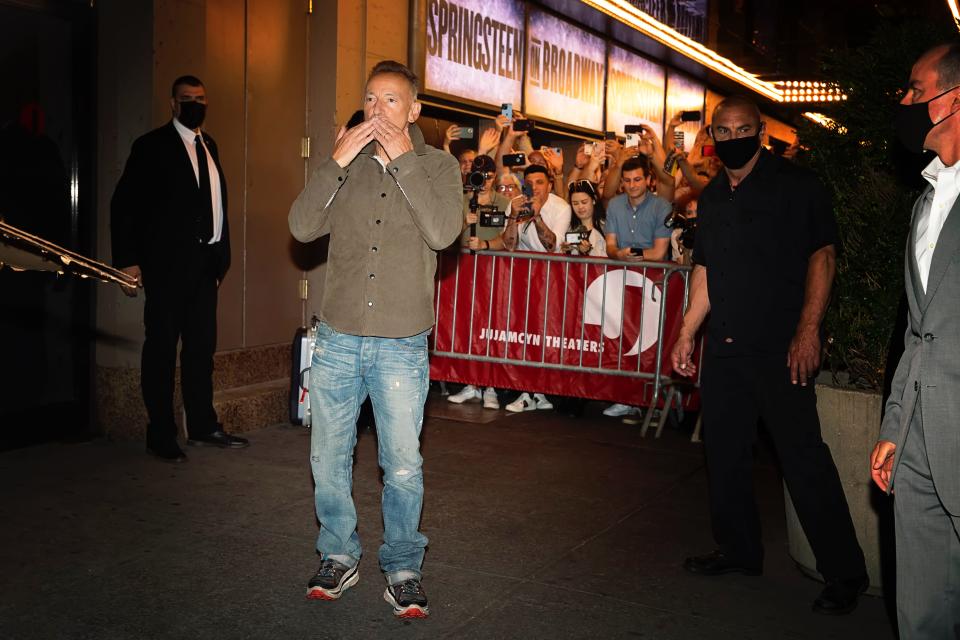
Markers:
<point>156,210</point>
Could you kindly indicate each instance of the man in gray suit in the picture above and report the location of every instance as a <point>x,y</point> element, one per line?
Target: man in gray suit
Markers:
<point>918,453</point>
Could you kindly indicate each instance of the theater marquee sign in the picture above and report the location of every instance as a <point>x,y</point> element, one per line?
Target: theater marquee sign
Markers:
<point>474,50</point>
<point>488,52</point>
<point>565,72</point>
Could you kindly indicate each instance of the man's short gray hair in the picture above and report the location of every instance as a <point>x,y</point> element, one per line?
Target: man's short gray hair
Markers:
<point>392,66</point>
<point>948,66</point>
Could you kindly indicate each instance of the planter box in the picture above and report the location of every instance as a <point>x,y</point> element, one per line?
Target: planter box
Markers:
<point>850,423</point>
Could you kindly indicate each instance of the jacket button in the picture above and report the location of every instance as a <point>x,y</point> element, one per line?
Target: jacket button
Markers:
<point>383,195</point>
<point>339,178</point>
<point>916,385</point>
<point>379,221</point>
<point>374,249</point>
<point>370,304</point>
<point>372,276</point>
<point>928,337</point>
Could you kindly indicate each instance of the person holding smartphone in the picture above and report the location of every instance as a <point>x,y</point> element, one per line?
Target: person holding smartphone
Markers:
<point>635,219</point>
<point>585,237</point>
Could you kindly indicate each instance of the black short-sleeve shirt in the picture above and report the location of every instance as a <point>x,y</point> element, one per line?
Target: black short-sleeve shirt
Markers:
<point>755,242</point>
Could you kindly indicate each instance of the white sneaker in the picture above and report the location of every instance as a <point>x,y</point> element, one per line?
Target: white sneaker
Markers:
<point>541,402</point>
<point>618,410</point>
<point>523,403</point>
<point>469,392</point>
<point>490,400</point>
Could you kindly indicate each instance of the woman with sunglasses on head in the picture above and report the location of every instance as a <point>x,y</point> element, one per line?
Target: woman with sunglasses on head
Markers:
<point>587,219</point>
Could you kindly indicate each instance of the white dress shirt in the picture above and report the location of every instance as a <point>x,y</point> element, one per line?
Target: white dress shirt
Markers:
<point>555,213</point>
<point>934,212</point>
<point>189,141</point>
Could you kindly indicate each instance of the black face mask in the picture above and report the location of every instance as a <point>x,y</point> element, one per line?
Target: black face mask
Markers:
<point>913,123</point>
<point>192,114</point>
<point>736,152</point>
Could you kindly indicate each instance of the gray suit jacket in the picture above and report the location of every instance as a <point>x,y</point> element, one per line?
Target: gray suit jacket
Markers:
<point>928,375</point>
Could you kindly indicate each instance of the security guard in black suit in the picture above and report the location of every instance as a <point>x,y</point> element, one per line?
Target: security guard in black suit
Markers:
<point>169,228</point>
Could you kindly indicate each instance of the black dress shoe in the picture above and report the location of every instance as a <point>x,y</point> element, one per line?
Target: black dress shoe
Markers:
<point>716,563</point>
<point>168,452</point>
<point>219,439</point>
<point>840,596</point>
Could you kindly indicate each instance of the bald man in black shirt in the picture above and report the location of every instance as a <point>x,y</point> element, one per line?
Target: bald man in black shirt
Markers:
<point>764,265</point>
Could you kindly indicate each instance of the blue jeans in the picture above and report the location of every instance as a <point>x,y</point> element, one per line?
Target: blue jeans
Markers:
<point>394,373</point>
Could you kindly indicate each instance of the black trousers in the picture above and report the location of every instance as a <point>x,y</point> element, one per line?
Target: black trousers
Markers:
<point>180,309</point>
<point>736,393</point>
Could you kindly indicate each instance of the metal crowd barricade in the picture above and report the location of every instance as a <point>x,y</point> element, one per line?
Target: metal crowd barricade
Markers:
<point>472,300</point>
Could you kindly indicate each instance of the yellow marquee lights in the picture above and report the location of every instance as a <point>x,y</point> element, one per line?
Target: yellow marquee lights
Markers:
<point>633,17</point>
<point>954,11</point>
<point>809,91</point>
<point>826,122</point>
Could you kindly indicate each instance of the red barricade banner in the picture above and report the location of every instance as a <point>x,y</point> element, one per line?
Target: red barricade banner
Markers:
<point>571,327</point>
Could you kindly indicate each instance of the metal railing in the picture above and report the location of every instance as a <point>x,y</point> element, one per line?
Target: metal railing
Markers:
<point>657,280</point>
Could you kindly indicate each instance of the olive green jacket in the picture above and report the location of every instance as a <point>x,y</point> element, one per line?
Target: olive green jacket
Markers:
<point>385,225</point>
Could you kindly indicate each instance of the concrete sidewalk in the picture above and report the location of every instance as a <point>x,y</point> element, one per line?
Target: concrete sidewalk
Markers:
<point>540,526</point>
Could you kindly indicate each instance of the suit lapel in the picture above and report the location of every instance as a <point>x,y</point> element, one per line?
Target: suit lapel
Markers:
<point>948,244</point>
<point>913,272</point>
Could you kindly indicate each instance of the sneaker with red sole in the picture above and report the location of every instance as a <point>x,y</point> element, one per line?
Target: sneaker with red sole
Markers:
<point>331,580</point>
<point>407,599</point>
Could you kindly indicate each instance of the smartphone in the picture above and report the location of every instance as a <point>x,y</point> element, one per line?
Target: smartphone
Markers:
<point>632,140</point>
<point>689,116</point>
<point>678,139</point>
<point>506,109</point>
<point>556,150</point>
<point>466,132</point>
<point>610,135</point>
<point>523,125</point>
<point>572,237</point>
<point>514,159</point>
<point>632,128</point>
<point>708,150</point>
<point>636,251</point>
<point>588,148</point>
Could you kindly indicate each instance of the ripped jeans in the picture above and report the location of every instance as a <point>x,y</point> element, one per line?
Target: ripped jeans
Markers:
<point>395,374</point>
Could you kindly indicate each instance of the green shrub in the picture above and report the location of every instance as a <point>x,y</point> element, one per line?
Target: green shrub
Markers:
<point>874,183</point>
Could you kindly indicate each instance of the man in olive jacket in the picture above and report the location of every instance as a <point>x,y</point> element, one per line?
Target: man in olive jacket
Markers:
<point>389,202</point>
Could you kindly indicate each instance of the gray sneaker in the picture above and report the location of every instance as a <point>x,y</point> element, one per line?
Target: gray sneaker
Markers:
<point>407,599</point>
<point>331,580</point>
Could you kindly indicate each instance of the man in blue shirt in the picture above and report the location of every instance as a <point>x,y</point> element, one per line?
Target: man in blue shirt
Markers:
<point>636,232</point>
<point>635,219</point>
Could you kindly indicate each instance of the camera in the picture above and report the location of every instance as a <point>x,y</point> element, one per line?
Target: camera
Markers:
<point>688,228</point>
<point>526,211</point>
<point>476,180</point>
<point>575,237</point>
<point>490,216</point>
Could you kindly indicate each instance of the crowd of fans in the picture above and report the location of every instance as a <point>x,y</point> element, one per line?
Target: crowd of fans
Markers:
<point>628,199</point>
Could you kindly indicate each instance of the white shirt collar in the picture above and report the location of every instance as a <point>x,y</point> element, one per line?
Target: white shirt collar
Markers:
<point>936,167</point>
<point>188,135</point>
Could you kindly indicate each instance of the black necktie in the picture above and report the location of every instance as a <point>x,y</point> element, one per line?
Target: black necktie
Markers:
<point>205,221</point>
